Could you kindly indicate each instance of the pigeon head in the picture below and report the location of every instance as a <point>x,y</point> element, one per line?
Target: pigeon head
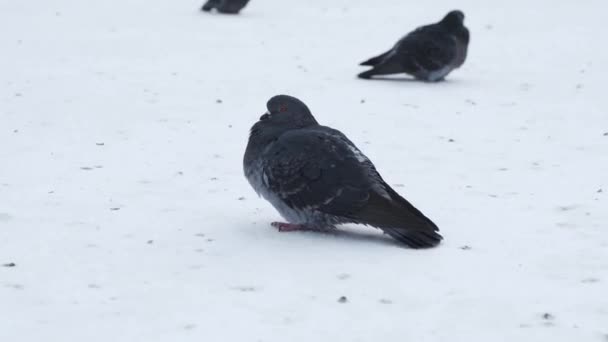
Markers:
<point>288,111</point>
<point>453,19</point>
<point>284,113</point>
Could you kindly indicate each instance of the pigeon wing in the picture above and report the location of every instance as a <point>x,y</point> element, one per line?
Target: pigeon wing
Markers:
<point>426,48</point>
<point>318,169</point>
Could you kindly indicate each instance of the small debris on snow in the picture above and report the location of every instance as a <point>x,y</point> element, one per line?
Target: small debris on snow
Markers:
<point>218,101</point>
<point>199,235</point>
<point>590,280</point>
<point>94,286</point>
<point>115,208</point>
<point>362,100</point>
<point>245,288</point>
<point>451,140</point>
<point>567,207</point>
<point>10,264</point>
<point>547,316</point>
<point>606,134</point>
<point>599,191</point>
<point>189,326</point>
<point>342,299</point>
<point>87,168</point>
<point>385,301</point>
<point>17,131</point>
<point>213,178</point>
<point>241,198</point>
<point>343,276</point>
<point>149,242</point>
<point>100,144</point>
<point>466,248</point>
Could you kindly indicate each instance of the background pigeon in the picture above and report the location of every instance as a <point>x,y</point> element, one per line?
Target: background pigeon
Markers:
<point>429,53</point>
<point>225,6</point>
<point>317,178</point>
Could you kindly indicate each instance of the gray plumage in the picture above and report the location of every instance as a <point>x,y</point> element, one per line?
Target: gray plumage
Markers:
<point>316,177</point>
<point>225,6</point>
<point>429,53</point>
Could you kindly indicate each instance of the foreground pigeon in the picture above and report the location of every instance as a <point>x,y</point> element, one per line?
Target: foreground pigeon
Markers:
<point>316,178</point>
<point>429,53</point>
<point>225,6</point>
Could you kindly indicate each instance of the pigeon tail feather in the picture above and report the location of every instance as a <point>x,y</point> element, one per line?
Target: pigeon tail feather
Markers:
<point>375,60</point>
<point>401,220</point>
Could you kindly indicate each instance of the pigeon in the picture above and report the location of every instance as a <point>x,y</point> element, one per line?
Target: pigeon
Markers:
<point>225,6</point>
<point>317,178</point>
<point>429,53</point>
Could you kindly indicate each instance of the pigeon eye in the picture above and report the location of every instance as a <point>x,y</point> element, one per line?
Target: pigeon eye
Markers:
<point>283,108</point>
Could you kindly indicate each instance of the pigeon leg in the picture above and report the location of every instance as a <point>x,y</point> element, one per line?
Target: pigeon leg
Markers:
<point>289,227</point>
<point>293,227</point>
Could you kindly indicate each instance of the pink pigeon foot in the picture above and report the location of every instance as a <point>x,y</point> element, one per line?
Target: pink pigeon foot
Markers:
<point>288,227</point>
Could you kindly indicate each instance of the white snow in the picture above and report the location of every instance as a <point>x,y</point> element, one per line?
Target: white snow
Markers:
<point>124,206</point>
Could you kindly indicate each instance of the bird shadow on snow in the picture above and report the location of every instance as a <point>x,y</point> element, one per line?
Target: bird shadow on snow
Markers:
<point>405,79</point>
<point>344,233</point>
<point>223,17</point>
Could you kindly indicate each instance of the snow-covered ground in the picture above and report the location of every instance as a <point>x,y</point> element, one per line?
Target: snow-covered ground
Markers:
<point>125,211</point>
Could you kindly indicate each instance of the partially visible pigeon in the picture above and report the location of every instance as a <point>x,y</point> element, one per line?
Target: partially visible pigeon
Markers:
<point>428,53</point>
<point>317,178</point>
<point>225,6</point>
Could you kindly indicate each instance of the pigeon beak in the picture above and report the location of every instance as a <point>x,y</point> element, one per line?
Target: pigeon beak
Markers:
<point>265,116</point>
